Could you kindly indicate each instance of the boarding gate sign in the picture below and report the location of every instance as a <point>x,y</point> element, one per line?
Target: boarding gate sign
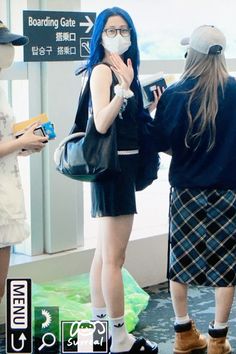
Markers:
<point>57,35</point>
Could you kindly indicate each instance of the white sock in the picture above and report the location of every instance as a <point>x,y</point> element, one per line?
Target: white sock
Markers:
<point>99,313</point>
<point>219,325</point>
<point>182,320</point>
<point>122,341</point>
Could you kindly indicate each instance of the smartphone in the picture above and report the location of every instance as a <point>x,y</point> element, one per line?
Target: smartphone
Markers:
<point>152,86</point>
<point>39,131</point>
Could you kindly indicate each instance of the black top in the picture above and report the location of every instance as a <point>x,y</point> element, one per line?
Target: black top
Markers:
<point>127,126</point>
<point>127,121</point>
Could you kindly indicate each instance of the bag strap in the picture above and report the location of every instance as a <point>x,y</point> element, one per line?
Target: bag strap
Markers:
<point>81,117</point>
<point>71,137</point>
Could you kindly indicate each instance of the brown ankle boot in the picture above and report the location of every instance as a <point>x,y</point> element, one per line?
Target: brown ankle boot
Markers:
<point>217,341</point>
<point>188,338</point>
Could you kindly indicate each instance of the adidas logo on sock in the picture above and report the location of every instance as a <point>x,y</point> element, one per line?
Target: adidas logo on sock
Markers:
<point>102,315</point>
<point>119,325</point>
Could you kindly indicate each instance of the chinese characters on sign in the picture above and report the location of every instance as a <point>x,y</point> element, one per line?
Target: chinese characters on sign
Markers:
<point>57,36</point>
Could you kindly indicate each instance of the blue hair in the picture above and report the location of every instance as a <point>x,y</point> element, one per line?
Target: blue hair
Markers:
<point>96,49</point>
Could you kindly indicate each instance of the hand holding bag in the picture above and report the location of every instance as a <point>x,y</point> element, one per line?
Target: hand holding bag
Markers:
<point>86,155</point>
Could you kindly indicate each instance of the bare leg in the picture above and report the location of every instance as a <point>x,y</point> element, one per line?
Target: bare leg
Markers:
<point>115,236</point>
<point>187,337</point>
<point>223,299</point>
<point>179,298</point>
<point>97,298</point>
<point>108,261</point>
<point>218,342</point>
<point>116,232</point>
<point>4,265</point>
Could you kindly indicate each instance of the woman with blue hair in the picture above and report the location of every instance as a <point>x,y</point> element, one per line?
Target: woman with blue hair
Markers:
<point>116,100</point>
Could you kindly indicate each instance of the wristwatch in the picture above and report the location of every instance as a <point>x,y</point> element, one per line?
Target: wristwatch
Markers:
<point>121,92</point>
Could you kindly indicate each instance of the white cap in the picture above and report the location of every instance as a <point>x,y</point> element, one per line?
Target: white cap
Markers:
<point>206,39</point>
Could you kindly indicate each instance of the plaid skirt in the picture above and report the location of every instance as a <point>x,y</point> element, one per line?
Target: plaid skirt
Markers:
<point>203,237</point>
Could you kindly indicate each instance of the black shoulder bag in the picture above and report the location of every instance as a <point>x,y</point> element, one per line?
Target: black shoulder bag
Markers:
<point>86,155</point>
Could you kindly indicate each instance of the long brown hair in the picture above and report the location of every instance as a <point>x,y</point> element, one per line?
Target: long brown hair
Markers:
<point>211,73</point>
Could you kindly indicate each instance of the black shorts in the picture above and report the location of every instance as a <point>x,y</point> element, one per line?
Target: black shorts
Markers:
<point>116,196</point>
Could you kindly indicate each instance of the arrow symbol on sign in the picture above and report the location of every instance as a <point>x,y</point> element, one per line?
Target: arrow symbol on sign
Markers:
<point>22,338</point>
<point>88,24</point>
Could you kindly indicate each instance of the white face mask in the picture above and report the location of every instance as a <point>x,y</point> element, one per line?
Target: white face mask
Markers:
<point>118,44</point>
<point>7,52</point>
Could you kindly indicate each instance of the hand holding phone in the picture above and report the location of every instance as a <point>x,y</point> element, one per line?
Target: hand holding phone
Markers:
<point>31,141</point>
<point>153,86</point>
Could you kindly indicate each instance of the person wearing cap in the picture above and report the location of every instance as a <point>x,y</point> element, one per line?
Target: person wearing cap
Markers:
<point>195,122</point>
<point>13,228</point>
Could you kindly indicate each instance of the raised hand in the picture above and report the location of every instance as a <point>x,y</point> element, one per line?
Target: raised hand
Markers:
<point>123,71</point>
